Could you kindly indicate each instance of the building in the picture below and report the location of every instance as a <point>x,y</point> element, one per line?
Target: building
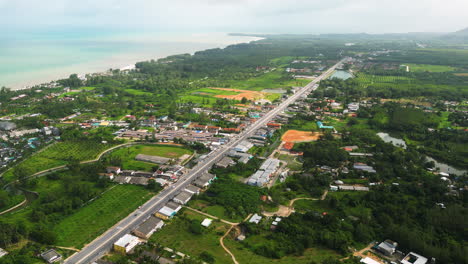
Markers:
<point>174,206</point>
<point>204,180</point>
<point>51,256</point>
<point>192,189</point>
<point>183,197</point>
<point>207,222</point>
<point>225,162</point>
<point>261,177</point>
<point>3,252</point>
<point>387,247</point>
<point>115,170</point>
<point>126,244</point>
<point>255,219</point>
<point>244,146</point>
<point>165,213</point>
<point>148,227</point>
<point>368,260</point>
<point>413,258</point>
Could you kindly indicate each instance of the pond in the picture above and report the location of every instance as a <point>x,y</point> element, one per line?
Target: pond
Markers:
<point>344,75</point>
<point>402,144</point>
<point>389,139</point>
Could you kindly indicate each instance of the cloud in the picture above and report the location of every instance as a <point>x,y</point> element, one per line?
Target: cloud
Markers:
<point>276,16</point>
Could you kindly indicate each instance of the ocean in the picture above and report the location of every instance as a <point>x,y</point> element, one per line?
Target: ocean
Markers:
<point>30,58</point>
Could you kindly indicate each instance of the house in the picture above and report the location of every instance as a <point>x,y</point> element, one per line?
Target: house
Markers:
<point>183,197</point>
<point>387,247</point>
<point>148,227</point>
<point>3,252</point>
<point>255,219</point>
<point>244,146</point>
<point>143,174</point>
<point>127,172</point>
<point>413,258</point>
<point>126,244</point>
<point>115,170</point>
<point>225,162</point>
<point>51,256</point>
<point>165,213</point>
<point>204,180</point>
<point>368,260</point>
<point>207,222</point>
<point>192,189</point>
<point>174,206</point>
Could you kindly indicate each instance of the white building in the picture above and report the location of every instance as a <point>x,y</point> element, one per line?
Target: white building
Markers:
<point>413,258</point>
<point>126,243</point>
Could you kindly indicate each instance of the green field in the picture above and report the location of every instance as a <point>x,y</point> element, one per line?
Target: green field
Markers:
<point>137,92</point>
<point>429,68</point>
<point>293,164</point>
<point>60,154</point>
<point>275,79</point>
<point>177,235</point>
<point>128,154</point>
<point>369,79</point>
<point>245,255</point>
<point>215,210</point>
<point>93,219</point>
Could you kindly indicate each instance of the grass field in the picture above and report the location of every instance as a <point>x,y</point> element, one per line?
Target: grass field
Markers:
<point>215,210</point>
<point>208,96</point>
<point>429,68</point>
<point>245,255</point>
<point>93,219</point>
<point>128,155</point>
<point>369,79</point>
<point>137,92</point>
<point>60,154</point>
<point>177,235</point>
<point>271,80</point>
<point>292,163</point>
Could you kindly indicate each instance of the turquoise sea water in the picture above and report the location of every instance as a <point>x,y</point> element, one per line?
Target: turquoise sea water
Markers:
<point>28,58</point>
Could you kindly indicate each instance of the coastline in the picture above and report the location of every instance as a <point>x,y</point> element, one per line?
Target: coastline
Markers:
<point>125,61</point>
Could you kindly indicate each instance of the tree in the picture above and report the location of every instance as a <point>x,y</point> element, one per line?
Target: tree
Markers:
<point>244,100</point>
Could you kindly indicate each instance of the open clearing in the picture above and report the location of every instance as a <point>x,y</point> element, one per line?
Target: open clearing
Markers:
<point>128,154</point>
<point>249,95</point>
<point>429,68</point>
<point>93,219</point>
<point>297,136</point>
<point>177,234</point>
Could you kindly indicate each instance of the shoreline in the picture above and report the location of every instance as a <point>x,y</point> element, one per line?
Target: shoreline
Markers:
<point>115,61</point>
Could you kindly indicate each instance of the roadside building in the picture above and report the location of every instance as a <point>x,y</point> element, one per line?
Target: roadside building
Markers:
<point>174,206</point>
<point>183,197</point>
<point>51,256</point>
<point>194,190</point>
<point>204,181</point>
<point>148,227</point>
<point>225,162</point>
<point>115,170</point>
<point>244,146</point>
<point>165,213</point>
<point>368,260</point>
<point>126,244</point>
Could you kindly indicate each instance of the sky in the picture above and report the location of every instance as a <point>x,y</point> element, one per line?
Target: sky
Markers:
<point>247,16</point>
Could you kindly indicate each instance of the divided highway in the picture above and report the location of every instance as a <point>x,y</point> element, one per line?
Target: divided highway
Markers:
<point>103,244</point>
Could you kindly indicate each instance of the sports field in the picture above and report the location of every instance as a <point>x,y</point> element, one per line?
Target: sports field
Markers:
<point>297,136</point>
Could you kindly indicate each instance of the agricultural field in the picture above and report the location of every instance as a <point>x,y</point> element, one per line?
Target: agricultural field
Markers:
<point>128,154</point>
<point>59,154</point>
<point>429,68</point>
<point>178,235</point>
<point>137,92</point>
<point>93,219</point>
<point>369,79</point>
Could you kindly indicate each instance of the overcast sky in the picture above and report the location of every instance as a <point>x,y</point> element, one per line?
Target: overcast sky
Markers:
<point>266,16</point>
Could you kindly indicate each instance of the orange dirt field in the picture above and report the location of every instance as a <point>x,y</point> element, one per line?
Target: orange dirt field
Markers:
<point>249,95</point>
<point>300,136</point>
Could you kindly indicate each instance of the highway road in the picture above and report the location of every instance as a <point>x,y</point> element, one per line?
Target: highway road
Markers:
<point>103,244</point>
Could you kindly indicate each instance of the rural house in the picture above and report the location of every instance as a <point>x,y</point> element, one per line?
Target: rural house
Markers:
<point>148,227</point>
<point>126,244</point>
